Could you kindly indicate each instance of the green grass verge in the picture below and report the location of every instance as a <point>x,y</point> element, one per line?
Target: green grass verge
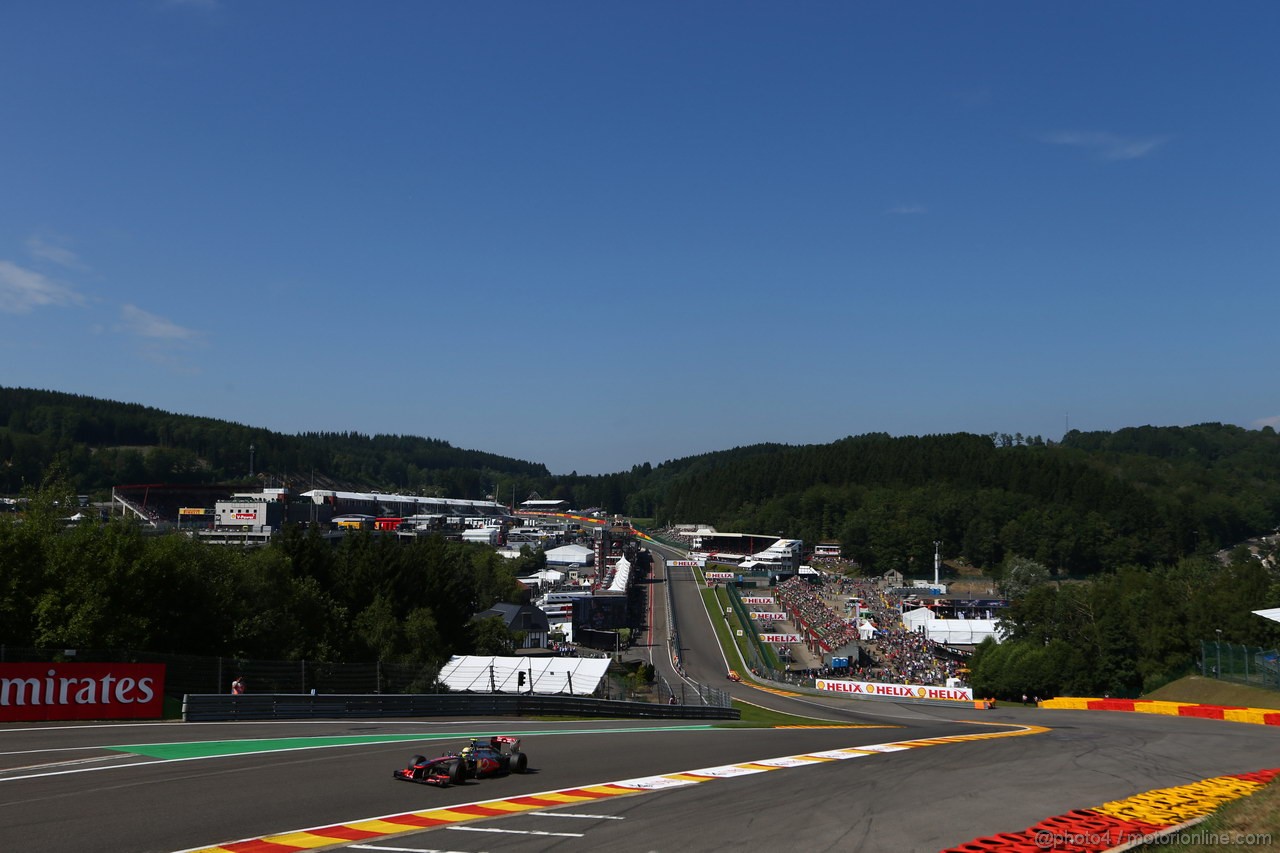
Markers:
<point>1211,691</point>
<point>1249,823</point>
<point>755,717</point>
<point>714,600</point>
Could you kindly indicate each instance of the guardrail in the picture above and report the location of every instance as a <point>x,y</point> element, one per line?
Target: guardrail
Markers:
<point>218,707</point>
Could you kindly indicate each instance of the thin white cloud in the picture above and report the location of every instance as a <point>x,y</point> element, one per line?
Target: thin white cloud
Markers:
<point>144,324</point>
<point>907,210</point>
<point>60,255</point>
<point>1108,146</point>
<point>1273,422</point>
<point>22,290</point>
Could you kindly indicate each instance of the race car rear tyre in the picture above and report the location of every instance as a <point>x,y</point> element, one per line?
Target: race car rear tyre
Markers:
<point>519,762</point>
<point>457,773</point>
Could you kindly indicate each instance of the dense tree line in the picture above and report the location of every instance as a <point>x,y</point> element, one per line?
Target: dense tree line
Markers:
<point>110,585</point>
<point>101,444</point>
<point>1145,496</point>
<point>1126,632</point>
<point>1096,501</point>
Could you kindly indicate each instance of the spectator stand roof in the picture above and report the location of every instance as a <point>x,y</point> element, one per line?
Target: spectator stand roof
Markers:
<point>551,676</point>
<point>1273,614</point>
<point>544,505</point>
<point>412,502</point>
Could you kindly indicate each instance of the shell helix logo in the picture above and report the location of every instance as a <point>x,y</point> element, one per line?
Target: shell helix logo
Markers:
<point>871,688</point>
<point>921,692</point>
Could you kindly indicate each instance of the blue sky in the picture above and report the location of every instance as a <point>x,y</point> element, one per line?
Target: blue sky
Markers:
<point>600,234</point>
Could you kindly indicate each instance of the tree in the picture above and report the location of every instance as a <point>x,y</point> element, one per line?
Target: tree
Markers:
<point>493,637</point>
<point>1018,576</point>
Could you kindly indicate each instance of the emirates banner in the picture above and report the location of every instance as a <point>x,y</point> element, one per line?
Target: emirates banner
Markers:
<point>81,691</point>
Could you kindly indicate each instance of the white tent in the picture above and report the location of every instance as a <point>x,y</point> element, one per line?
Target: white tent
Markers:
<point>543,577</point>
<point>621,577</point>
<point>551,675</point>
<point>570,555</point>
<point>951,632</point>
<point>916,620</point>
<point>866,630</point>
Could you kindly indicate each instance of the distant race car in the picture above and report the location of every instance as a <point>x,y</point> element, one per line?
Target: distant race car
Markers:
<point>481,757</point>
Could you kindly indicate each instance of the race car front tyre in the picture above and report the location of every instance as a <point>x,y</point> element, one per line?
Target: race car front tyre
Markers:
<point>457,773</point>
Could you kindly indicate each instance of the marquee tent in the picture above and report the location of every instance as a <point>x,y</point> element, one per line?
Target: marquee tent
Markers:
<point>551,675</point>
<point>951,632</point>
<point>570,555</point>
<point>621,576</point>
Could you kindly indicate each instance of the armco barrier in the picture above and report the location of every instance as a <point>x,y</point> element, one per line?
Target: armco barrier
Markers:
<point>204,707</point>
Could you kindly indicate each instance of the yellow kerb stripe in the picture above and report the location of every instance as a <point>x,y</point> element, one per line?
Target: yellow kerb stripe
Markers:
<point>305,840</point>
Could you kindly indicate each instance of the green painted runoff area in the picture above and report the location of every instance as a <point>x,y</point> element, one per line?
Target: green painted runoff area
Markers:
<point>212,748</point>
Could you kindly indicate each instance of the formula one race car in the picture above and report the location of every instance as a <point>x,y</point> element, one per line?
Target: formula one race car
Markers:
<point>481,757</point>
<point>444,771</point>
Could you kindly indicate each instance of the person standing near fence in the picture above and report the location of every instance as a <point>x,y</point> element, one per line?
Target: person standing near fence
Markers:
<point>237,686</point>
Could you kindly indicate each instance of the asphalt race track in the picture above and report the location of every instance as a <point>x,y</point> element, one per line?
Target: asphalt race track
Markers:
<point>72,788</point>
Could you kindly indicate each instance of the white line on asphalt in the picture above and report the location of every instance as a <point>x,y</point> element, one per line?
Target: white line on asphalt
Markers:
<point>562,814</point>
<point>514,831</point>
<point>402,849</point>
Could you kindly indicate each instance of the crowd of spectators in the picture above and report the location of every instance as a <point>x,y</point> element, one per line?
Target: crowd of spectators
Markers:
<point>802,601</point>
<point>898,655</point>
<point>911,658</point>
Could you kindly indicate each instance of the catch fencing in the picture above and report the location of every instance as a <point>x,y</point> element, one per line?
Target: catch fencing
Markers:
<point>1251,665</point>
<point>196,674</point>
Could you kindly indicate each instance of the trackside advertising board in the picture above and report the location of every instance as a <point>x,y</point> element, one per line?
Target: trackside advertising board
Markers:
<point>81,691</point>
<point>895,691</point>
<point>758,599</point>
<point>767,617</point>
<point>780,638</point>
<point>716,577</point>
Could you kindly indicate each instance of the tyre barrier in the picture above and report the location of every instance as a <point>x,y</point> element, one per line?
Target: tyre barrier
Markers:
<point>1120,822</point>
<point>1230,713</point>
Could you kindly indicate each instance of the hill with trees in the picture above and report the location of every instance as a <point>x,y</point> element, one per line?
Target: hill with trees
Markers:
<point>1143,496</point>
<point>101,443</point>
<point>1138,512</point>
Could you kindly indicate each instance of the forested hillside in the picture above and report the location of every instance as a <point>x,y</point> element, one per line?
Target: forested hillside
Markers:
<point>1144,496</point>
<point>100,443</point>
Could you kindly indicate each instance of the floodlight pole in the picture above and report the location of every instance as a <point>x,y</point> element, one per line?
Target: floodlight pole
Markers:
<point>1218,673</point>
<point>937,560</point>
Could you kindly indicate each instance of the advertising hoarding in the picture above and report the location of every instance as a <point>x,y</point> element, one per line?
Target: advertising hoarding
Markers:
<point>895,691</point>
<point>81,691</point>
